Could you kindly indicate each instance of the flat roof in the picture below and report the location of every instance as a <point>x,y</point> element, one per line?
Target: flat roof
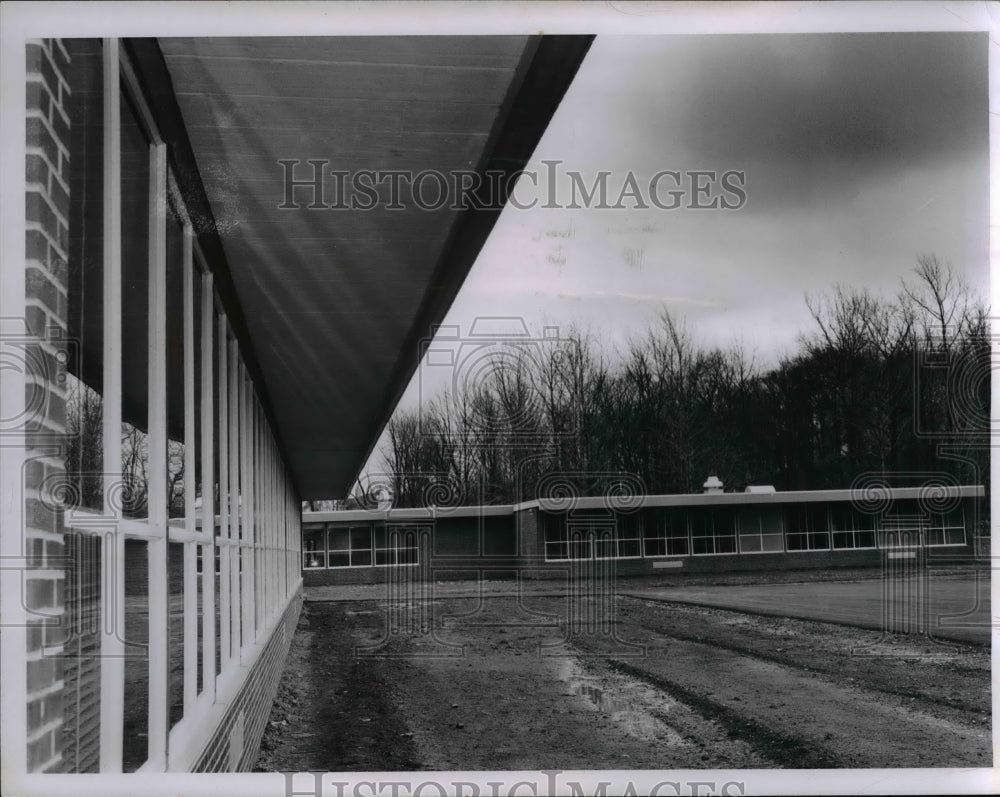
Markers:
<point>732,499</point>
<point>408,513</point>
<point>631,503</point>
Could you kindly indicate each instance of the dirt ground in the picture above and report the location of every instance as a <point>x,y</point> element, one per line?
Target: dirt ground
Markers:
<point>501,682</point>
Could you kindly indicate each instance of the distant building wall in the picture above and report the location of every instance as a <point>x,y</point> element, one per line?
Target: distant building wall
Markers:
<point>659,535</point>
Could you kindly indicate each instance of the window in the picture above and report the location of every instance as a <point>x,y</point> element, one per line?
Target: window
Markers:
<point>665,533</point>
<point>397,545</point>
<point>713,530</point>
<point>850,528</point>
<point>136,180</point>
<point>313,546</point>
<point>158,394</point>
<point>565,541</point>
<point>807,528</point>
<point>946,529</point>
<point>903,527</point>
<point>350,546</point>
<point>629,536</point>
<point>761,530</point>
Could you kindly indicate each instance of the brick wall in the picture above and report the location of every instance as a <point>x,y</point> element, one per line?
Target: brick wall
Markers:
<point>236,742</point>
<point>47,227</point>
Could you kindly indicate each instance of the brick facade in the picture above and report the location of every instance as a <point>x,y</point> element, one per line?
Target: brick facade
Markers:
<point>46,241</point>
<point>236,742</point>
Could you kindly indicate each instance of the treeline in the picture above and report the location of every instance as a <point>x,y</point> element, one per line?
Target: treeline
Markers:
<point>896,385</point>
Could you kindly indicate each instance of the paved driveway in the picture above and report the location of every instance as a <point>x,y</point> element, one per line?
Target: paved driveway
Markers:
<point>946,607</point>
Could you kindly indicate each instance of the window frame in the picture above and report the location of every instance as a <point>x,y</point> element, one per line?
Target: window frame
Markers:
<point>265,523</point>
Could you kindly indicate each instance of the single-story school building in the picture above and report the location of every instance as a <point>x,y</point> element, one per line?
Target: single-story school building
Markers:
<point>713,531</point>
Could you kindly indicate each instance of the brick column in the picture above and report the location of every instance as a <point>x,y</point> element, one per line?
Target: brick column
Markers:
<point>46,242</point>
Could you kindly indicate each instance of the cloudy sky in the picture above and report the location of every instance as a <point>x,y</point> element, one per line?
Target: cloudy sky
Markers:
<point>861,151</point>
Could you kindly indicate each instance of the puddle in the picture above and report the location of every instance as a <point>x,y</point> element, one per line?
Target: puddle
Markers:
<point>627,702</point>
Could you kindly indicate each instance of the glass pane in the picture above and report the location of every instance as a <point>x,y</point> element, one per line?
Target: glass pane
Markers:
<point>135,311</point>
<point>340,559</point>
<point>843,539</point>
<point>85,274</point>
<point>749,521</point>
<point>841,518</point>
<point>818,520</point>
<point>795,520</point>
<point>197,363</point>
<point>175,631</point>
<point>340,539</point>
<point>201,625</point>
<point>361,558</point>
<point>361,537</point>
<point>772,543</point>
<point>864,539</point>
<point>175,365</point>
<point>314,547</point>
<point>604,548</point>
<point>135,746</point>
<point>750,543</point>
<point>674,523</point>
<point>579,548</point>
<point>629,527</point>
<point>628,548</point>
<point>556,550</point>
<point>700,523</point>
<point>81,695</point>
<point>819,541</point>
<point>218,612</point>
<point>655,547</point>
<point>555,529</point>
<point>863,520</point>
<point>724,522</point>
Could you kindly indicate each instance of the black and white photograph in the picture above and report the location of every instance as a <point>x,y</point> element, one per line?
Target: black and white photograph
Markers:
<point>513,398</point>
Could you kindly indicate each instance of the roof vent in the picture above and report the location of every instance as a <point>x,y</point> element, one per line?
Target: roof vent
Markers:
<point>761,489</point>
<point>712,485</point>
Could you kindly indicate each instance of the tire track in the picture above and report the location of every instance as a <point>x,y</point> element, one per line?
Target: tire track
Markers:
<point>783,749</point>
<point>834,673</point>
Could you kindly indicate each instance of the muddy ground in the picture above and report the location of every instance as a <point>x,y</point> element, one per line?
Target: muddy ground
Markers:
<point>501,683</point>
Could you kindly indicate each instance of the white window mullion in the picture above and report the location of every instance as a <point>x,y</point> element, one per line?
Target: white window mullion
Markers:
<point>260,472</point>
<point>113,554</point>
<point>255,493</point>
<point>246,519</point>
<point>207,491</point>
<point>222,377</point>
<point>273,595</point>
<point>157,548</point>
<point>157,544</point>
<point>234,502</point>
<point>190,452</point>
